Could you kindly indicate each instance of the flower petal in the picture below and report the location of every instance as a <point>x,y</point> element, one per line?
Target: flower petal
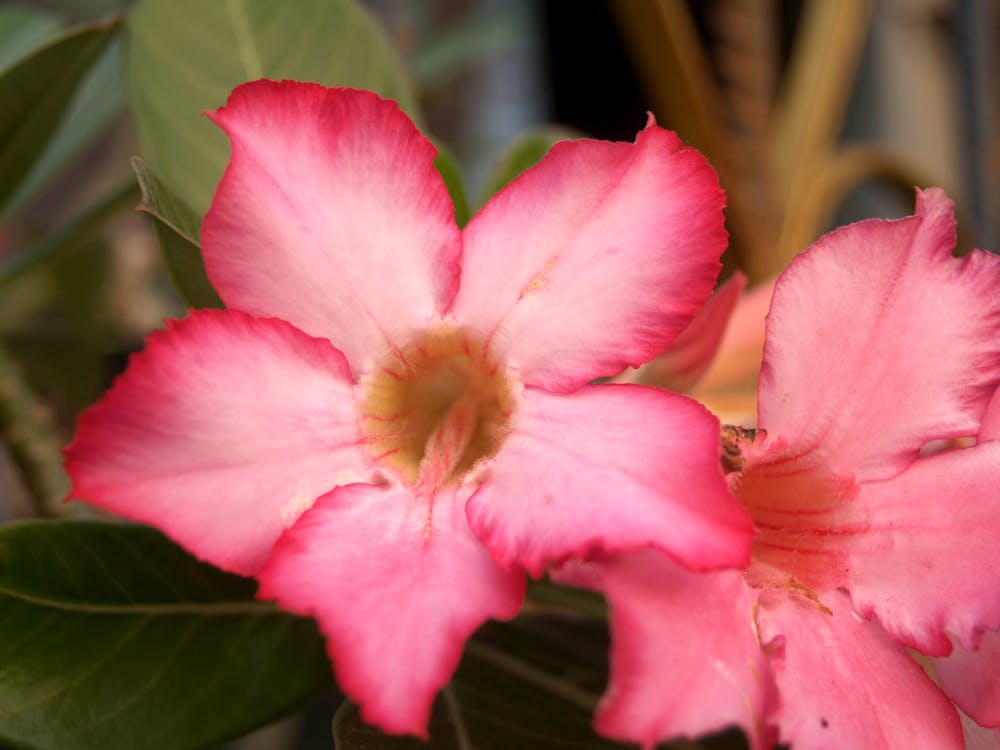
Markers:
<point>729,386</point>
<point>990,427</point>
<point>221,433</point>
<point>397,584</point>
<point>928,561</point>
<point>972,679</point>
<point>694,349</point>
<point>685,659</point>
<point>844,683</point>
<point>863,317</point>
<point>331,216</point>
<point>594,259</point>
<point>611,468</point>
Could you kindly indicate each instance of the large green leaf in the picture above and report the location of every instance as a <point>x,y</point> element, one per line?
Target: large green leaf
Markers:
<point>484,708</point>
<point>99,102</point>
<point>185,56</point>
<point>532,683</point>
<point>22,29</point>
<point>114,638</point>
<point>35,94</point>
<point>177,231</point>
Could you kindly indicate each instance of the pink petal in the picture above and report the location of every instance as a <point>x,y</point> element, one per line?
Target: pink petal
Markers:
<point>845,684</point>
<point>609,467</point>
<point>331,216</point>
<point>221,433</point>
<point>802,519</point>
<point>972,679</point>
<point>594,259</point>
<point>913,358</point>
<point>397,583</point>
<point>990,427</point>
<point>928,561</point>
<point>685,659</point>
<point>694,349</point>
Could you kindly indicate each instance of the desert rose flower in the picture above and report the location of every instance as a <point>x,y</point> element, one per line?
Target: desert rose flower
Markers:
<point>392,420</point>
<point>878,343</point>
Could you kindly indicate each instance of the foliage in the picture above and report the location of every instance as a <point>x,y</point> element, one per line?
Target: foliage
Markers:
<point>114,637</point>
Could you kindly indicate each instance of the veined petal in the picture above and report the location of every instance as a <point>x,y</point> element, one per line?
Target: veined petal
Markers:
<point>594,259</point>
<point>845,684</point>
<point>221,433</point>
<point>331,216</point>
<point>694,349</point>
<point>928,561</point>
<point>685,659</point>
<point>609,468</point>
<point>972,679</point>
<point>397,584</point>
<point>879,386</point>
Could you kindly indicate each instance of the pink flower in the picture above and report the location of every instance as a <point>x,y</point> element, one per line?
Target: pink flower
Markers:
<point>878,343</point>
<point>387,393</point>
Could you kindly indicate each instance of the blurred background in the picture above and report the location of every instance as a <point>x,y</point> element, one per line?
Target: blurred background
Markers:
<point>814,112</point>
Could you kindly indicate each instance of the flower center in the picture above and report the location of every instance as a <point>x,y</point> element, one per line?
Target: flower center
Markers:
<point>801,512</point>
<point>437,409</point>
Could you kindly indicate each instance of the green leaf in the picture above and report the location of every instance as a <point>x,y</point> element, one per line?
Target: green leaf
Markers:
<point>177,230</point>
<point>35,94</point>
<point>501,698</point>
<point>115,639</point>
<point>523,153</point>
<point>98,102</point>
<point>22,29</point>
<point>447,167</point>
<point>185,56</point>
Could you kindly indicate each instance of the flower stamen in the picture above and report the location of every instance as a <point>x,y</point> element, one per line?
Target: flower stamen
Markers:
<point>431,416</point>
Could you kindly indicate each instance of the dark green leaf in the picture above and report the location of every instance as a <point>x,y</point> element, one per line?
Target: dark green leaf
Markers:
<point>114,638</point>
<point>502,698</point>
<point>448,169</point>
<point>523,153</point>
<point>22,29</point>
<point>98,102</point>
<point>185,56</point>
<point>34,96</point>
<point>177,230</point>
